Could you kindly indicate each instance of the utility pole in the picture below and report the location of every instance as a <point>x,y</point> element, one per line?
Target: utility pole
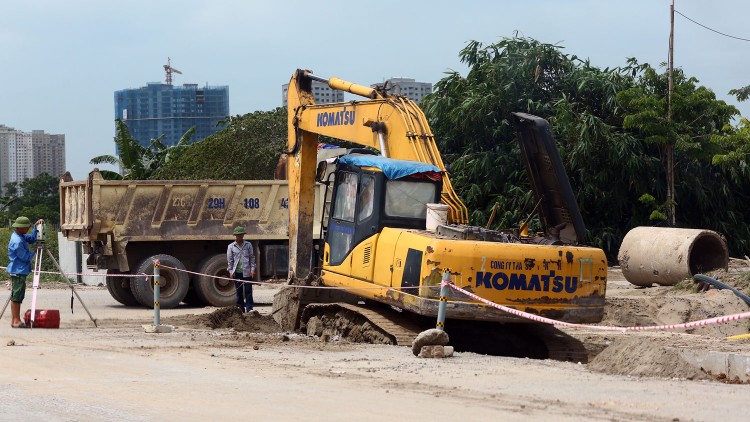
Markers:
<point>669,147</point>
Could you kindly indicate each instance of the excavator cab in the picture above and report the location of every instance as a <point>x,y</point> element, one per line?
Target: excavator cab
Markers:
<point>372,192</point>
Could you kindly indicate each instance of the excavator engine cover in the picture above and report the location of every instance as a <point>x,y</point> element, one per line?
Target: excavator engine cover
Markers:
<point>559,210</point>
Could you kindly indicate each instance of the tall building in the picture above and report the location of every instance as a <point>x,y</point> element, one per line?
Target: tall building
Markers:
<point>25,155</point>
<point>48,153</point>
<point>163,109</point>
<point>407,87</point>
<point>6,135</point>
<point>322,93</point>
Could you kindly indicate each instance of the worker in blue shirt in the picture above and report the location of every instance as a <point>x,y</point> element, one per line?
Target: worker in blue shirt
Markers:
<point>19,267</point>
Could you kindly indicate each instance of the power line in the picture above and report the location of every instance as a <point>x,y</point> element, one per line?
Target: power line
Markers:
<point>710,29</point>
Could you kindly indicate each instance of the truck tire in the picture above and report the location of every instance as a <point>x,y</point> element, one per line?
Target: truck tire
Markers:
<point>119,289</point>
<point>173,285</point>
<point>218,292</point>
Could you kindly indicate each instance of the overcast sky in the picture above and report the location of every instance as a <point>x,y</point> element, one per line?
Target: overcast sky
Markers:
<point>61,61</point>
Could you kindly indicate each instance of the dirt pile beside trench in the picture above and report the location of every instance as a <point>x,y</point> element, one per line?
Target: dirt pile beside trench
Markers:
<point>644,357</point>
<point>230,318</point>
<point>659,353</point>
<point>662,306</point>
<point>630,305</point>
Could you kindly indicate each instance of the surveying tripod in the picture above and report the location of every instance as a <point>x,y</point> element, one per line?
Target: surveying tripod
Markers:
<point>41,247</point>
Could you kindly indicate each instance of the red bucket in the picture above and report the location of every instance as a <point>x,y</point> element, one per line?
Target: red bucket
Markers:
<point>43,318</point>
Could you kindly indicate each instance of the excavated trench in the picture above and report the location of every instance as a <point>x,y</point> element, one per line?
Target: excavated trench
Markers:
<point>532,341</point>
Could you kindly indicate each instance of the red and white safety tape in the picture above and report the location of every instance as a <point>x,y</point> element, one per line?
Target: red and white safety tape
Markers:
<point>702,323</point>
<point>85,274</point>
<point>286,285</point>
<point>532,317</point>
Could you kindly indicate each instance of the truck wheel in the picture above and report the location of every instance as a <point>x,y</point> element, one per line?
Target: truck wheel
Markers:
<point>173,285</point>
<point>215,291</point>
<point>119,289</point>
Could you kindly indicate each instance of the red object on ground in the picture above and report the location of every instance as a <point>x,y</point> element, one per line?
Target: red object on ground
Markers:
<point>43,318</point>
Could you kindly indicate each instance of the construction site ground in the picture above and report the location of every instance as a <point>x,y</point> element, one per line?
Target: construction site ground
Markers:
<point>219,364</point>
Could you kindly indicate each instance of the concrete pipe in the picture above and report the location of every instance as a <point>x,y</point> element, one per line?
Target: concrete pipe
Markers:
<point>665,256</point>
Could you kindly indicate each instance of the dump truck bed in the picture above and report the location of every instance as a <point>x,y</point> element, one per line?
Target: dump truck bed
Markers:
<point>169,210</point>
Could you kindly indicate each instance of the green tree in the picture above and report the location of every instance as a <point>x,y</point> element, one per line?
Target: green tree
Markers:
<point>137,161</point>
<point>735,144</point>
<point>40,199</point>
<point>159,154</point>
<point>7,200</point>
<point>711,184</point>
<point>247,148</point>
<point>696,116</point>
<point>610,130</point>
<point>470,118</point>
<point>734,155</point>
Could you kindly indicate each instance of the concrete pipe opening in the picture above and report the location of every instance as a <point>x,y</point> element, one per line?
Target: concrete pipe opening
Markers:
<point>666,256</point>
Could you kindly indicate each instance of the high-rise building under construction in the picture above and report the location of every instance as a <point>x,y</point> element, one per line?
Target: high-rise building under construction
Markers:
<point>163,109</point>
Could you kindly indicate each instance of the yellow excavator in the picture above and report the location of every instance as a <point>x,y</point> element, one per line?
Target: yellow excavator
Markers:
<point>378,249</point>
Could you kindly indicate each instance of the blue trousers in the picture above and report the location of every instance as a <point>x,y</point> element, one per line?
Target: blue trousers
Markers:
<point>244,292</point>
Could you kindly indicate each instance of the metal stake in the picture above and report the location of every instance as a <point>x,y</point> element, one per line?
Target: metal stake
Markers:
<point>157,306</point>
<point>6,305</point>
<point>443,301</point>
<point>70,284</point>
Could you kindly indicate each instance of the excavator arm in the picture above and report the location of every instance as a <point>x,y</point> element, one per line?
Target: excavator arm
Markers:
<point>393,125</point>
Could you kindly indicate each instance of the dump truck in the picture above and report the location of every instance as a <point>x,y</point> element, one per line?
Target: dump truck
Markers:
<point>124,225</point>
<point>378,249</point>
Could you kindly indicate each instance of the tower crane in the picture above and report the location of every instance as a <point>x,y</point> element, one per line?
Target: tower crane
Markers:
<point>169,69</point>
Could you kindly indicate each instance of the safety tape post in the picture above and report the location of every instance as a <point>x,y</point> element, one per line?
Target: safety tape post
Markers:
<point>157,293</point>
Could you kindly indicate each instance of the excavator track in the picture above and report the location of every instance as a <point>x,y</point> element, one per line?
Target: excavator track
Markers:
<point>383,325</point>
<point>358,323</point>
<point>380,325</point>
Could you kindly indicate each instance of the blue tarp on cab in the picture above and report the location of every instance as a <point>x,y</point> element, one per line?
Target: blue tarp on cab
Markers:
<point>392,168</point>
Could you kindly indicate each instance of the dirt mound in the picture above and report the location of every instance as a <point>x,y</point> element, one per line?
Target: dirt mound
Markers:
<point>668,307</point>
<point>663,353</point>
<point>737,275</point>
<point>645,356</point>
<point>629,305</point>
<point>231,317</point>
